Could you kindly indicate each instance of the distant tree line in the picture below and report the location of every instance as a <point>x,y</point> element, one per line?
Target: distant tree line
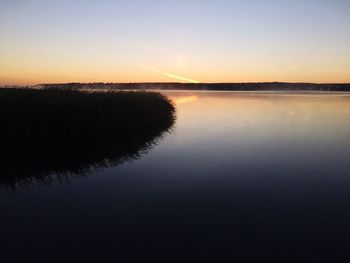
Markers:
<point>257,86</point>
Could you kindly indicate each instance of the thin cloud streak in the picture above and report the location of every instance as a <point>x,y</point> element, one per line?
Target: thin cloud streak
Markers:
<point>169,75</point>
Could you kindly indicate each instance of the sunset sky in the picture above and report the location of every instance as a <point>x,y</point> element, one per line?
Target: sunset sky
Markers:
<point>167,40</point>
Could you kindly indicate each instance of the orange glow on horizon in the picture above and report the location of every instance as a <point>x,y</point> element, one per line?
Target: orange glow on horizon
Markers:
<point>31,72</point>
<point>32,79</point>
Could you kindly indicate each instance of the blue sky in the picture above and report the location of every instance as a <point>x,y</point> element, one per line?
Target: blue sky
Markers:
<point>206,41</point>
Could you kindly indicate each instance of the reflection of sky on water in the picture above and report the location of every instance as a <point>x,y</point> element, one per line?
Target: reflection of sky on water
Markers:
<point>246,122</point>
<point>246,175</point>
<point>185,99</point>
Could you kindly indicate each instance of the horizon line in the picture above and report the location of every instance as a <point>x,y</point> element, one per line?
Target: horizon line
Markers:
<point>177,83</point>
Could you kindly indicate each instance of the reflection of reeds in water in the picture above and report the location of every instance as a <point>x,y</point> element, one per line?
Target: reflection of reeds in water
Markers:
<point>54,134</point>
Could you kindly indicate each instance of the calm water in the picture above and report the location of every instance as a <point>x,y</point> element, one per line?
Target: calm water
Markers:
<point>242,175</point>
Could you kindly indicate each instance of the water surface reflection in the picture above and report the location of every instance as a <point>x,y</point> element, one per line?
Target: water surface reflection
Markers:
<point>243,176</point>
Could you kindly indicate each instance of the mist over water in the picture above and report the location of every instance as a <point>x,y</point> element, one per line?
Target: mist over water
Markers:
<point>242,175</point>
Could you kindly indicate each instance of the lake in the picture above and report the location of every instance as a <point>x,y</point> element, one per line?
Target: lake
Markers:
<point>241,175</point>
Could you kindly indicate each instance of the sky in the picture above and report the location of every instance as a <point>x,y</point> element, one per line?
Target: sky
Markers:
<point>55,41</point>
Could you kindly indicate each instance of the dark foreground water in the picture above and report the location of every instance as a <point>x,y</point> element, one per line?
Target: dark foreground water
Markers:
<point>244,176</point>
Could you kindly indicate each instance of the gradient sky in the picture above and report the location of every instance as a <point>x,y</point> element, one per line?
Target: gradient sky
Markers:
<point>174,40</point>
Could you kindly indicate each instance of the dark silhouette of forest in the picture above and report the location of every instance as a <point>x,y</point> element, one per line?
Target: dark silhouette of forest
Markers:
<point>258,86</point>
<point>67,132</point>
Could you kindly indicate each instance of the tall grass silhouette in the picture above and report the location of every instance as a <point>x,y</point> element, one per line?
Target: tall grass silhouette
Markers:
<point>70,132</point>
